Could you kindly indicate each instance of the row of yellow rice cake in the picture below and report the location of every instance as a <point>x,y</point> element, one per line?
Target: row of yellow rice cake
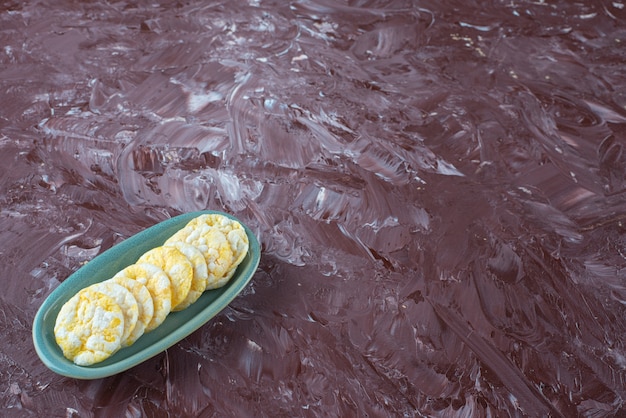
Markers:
<point>103,317</point>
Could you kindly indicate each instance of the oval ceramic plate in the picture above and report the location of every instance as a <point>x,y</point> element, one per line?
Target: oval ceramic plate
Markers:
<point>176,326</point>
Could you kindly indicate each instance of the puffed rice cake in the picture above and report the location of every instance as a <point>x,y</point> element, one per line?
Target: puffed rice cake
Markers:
<point>177,267</point>
<point>89,327</point>
<point>145,306</point>
<point>125,299</point>
<point>200,273</point>
<point>159,286</point>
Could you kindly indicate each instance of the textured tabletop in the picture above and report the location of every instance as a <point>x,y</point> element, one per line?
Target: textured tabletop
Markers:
<point>438,188</point>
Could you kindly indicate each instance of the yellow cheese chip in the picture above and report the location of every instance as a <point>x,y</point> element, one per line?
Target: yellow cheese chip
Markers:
<point>239,242</point>
<point>220,268</point>
<point>157,283</point>
<point>144,304</point>
<point>89,327</point>
<point>215,220</point>
<point>200,273</point>
<point>213,245</point>
<point>233,230</point>
<point>177,267</point>
<point>125,300</point>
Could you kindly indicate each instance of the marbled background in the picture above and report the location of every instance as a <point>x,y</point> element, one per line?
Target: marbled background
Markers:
<point>438,187</point>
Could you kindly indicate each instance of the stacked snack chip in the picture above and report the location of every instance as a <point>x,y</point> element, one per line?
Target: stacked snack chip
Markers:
<point>104,317</point>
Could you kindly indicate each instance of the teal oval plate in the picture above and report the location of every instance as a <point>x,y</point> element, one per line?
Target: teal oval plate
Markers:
<point>176,326</point>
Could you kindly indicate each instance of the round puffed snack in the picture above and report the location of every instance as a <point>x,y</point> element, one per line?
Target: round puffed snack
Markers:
<point>200,273</point>
<point>89,327</point>
<point>213,245</point>
<point>125,300</point>
<point>158,284</point>
<point>215,220</point>
<point>234,231</point>
<point>238,240</point>
<point>177,267</point>
<point>144,304</point>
